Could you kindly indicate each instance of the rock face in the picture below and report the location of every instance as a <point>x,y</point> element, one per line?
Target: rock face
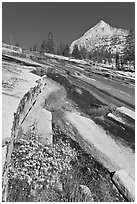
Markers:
<point>102,35</point>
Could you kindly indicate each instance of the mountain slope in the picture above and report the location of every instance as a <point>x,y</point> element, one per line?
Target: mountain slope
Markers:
<point>102,35</point>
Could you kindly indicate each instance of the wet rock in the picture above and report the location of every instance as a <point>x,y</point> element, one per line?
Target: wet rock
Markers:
<point>125,184</point>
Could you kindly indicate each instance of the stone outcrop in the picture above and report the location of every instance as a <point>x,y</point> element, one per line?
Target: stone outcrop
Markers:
<point>99,148</point>
<point>30,115</point>
<point>24,107</point>
<point>12,47</point>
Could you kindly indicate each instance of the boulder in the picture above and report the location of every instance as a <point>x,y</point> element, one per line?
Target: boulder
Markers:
<point>78,91</point>
<point>86,193</point>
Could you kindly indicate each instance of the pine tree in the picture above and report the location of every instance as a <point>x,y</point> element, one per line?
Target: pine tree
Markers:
<point>76,53</point>
<point>99,56</point>
<point>89,55</point>
<point>50,43</point>
<point>35,47</point>
<point>66,51</point>
<point>61,48</point>
<point>43,46</point>
<point>83,52</point>
<point>129,51</point>
<point>58,51</point>
<point>94,56</point>
<point>117,61</point>
<point>17,44</point>
<point>109,58</point>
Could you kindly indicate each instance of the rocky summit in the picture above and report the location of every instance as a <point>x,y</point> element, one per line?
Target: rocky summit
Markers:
<point>102,35</point>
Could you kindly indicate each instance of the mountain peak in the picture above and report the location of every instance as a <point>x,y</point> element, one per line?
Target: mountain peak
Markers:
<point>103,24</point>
<point>101,21</point>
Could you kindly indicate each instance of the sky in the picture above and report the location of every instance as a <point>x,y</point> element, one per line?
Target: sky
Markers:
<point>29,22</point>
